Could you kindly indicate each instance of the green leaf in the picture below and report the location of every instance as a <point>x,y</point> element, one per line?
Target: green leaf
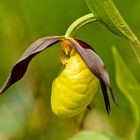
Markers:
<point>89,135</point>
<point>129,86</point>
<point>110,16</point>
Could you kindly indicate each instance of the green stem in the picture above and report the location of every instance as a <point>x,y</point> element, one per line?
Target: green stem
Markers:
<point>79,23</point>
<point>129,35</point>
<point>135,112</point>
<point>136,47</point>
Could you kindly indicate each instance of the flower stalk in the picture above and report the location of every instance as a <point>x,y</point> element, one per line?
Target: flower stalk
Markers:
<point>105,12</point>
<point>86,19</point>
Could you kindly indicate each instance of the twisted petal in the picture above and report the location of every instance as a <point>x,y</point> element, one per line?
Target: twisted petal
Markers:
<point>96,65</point>
<point>20,67</point>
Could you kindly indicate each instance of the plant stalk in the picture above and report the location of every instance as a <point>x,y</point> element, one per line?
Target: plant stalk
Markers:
<point>80,23</point>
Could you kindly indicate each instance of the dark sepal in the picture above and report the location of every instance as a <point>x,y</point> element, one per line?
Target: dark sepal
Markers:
<point>20,67</point>
<point>105,94</point>
<point>96,65</point>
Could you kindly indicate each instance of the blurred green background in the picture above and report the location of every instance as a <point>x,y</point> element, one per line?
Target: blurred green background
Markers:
<point>25,111</point>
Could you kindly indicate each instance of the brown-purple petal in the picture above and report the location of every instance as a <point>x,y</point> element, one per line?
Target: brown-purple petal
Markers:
<point>20,67</point>
<point>96,65</point>
<point>105,95</point>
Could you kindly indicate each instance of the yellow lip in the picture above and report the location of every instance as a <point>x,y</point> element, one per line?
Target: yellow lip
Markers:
<point>73,89</point>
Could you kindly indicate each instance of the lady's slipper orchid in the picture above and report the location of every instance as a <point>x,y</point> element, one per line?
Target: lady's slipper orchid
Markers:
<point>76,85</point>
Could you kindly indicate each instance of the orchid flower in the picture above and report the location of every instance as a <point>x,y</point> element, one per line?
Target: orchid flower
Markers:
<point>75,86</point>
